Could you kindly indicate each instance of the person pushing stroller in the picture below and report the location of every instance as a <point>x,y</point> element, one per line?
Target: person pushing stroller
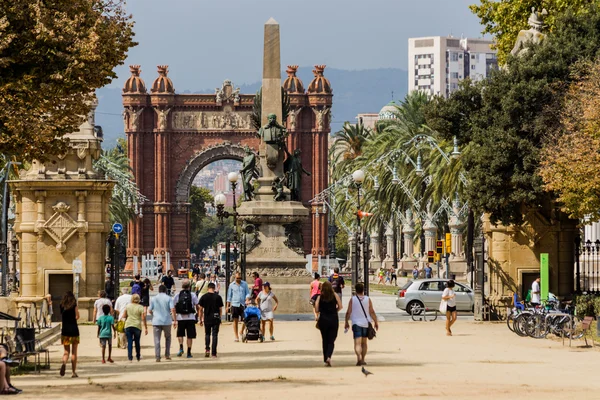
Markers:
<point>251,326</point>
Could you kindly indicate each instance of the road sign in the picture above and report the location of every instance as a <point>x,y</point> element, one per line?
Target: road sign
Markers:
<point>117,228</point>
<point>77,266</point>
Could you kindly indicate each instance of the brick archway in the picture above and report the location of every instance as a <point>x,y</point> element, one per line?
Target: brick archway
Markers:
<point>224,151</point>
<point>172,136</point>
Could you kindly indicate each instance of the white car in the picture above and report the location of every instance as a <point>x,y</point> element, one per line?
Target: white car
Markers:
<point>421,294</point>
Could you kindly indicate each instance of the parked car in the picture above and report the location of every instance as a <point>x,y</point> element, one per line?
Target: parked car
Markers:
<point>421,294</point>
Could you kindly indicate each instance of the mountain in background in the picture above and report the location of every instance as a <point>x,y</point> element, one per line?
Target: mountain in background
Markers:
<point>354,92</point>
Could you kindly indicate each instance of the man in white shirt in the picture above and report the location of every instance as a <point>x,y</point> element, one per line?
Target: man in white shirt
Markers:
<point>536,292</point>
<point>120,305</point>
<point>98,304</point>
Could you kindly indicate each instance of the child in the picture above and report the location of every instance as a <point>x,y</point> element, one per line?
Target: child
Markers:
<point>251,309</point>
<point>106,323</point>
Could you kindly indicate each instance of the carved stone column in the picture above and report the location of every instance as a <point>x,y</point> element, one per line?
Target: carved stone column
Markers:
<point>408,234</point>
<point>375,260</point>
<point>455,224</point>
<point>389,243</point>
<point>430,234</point>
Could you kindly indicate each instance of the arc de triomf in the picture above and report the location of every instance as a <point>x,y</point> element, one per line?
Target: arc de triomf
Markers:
<point>171,137</point>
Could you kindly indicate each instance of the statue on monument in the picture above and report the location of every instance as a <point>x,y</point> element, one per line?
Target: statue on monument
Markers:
<point>533,34</point>
<point>293,171</point>
<point>248,172</point>
<point>273,135</point>
<point>277,187</point>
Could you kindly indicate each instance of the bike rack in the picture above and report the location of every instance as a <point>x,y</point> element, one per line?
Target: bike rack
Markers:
<point>424,314</point>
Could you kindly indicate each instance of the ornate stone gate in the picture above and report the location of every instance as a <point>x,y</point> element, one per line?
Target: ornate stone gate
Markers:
<point>173,136</point>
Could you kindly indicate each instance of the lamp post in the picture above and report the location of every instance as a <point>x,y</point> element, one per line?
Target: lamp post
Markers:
<point>358,177</point>
<point>220,200</point>
<point>13,243</point>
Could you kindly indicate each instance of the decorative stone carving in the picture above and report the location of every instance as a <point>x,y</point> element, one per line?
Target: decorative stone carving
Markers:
<point>321,116</point>
<point>293,234</point>
<point>132,116</point>
<point>162,118</point>
<point>251,234</point>
<point>226,93</point>
<point>61,227</point>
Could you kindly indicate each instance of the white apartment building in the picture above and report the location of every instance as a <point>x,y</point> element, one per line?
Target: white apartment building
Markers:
<point>437,64</point>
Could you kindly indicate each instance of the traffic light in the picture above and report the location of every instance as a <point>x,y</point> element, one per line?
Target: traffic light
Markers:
<point>439,246</point>
<point>448,243</point>
<point>430,256</point>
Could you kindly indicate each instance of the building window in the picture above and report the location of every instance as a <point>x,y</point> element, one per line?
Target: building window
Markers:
<point>473,56</point>
<point>472,66</point>
<point>453,56</point>
<point>460,56</point>
<point>454,75</point>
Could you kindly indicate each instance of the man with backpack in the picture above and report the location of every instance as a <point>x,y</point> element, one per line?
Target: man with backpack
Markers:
<point>136,285</point>
<point>337,282</point>
<point>186,307</point>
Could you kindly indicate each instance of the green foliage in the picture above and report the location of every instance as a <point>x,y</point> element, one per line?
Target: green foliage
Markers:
<point>341,244</point>
<point>587,305</point>
<point>210,233</point>
<point>505,18</point>
<point>53,55</point>
<point>199,196</point>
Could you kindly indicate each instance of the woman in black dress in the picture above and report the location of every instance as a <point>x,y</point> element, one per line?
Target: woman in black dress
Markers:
<point>70,332</point>
<point>145,297</point>
<point>327,306</point>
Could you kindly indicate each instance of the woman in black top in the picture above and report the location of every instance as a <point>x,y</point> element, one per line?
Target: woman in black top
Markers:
<point>327,306</point>
<point>70,332</point>
<point>145,297</point>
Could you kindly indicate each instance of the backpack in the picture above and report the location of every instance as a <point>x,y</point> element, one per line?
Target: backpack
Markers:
<point>335,283</point>
<point>136,289</point>
<point>184,304</point>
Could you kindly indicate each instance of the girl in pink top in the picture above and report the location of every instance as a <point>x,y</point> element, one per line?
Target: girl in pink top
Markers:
<point>315,291</point>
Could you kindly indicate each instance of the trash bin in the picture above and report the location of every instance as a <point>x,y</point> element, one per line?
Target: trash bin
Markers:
<point>26,340</point>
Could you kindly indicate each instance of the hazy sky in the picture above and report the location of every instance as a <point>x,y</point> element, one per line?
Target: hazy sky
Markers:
<point>207,41</point>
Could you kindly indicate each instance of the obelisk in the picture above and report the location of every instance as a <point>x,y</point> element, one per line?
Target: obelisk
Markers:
<point>271,94</point>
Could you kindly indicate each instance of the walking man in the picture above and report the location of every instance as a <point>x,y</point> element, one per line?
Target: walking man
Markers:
<point>162,310</point>
<point>211,309</point>
<point>120,305</point>
<point>186,307</point>
<point>536,298</point>
<point>337,282</point>
<point>236,298</point>
<point>168,281</point>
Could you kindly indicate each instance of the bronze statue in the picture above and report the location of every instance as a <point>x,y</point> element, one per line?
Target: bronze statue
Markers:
<point>277,187</point>
<point>248,172</point>
<point>293,171</point>
<point>273,135</point>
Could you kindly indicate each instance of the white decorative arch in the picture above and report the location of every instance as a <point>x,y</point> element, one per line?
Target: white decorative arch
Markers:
<point>222,151</point>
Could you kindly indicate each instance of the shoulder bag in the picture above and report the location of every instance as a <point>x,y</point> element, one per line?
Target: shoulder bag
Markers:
<point>371,332</point>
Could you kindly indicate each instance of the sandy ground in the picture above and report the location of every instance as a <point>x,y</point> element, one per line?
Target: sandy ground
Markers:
<point>409,360</point>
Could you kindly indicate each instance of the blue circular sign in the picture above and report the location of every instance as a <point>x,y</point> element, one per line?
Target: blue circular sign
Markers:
<point>117,228</point>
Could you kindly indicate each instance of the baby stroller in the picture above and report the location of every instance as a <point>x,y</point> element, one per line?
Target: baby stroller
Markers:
<point>252,325</point>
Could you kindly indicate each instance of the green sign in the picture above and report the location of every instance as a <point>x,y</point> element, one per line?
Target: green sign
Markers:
<point>544,275</point>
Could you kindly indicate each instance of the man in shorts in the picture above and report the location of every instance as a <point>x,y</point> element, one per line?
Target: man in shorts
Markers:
<point>236,298</point>
<point>337,282</point>
<point>168,281</point>
<point>186,307</point>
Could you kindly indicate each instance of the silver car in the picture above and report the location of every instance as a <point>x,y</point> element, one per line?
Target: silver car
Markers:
<point>421,294</point>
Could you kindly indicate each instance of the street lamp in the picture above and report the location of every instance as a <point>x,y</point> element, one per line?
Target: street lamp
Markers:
<point>455,152</point>
<point>358,177</point>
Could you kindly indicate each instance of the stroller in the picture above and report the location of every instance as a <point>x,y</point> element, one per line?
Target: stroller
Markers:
<point>252,325</point>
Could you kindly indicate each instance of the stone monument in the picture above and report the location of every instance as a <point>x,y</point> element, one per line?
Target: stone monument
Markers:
<point>62,221</point>
<point>533,34</point>
<point>273,215</point>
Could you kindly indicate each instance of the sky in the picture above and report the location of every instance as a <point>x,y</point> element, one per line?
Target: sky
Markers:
<point>207,41</point>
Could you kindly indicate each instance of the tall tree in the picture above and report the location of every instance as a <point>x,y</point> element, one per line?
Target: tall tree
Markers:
<point>348,144</point>
<point>53,55</point>
<point>505,18</point>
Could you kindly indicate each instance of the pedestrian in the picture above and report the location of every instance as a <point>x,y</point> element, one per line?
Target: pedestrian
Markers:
<point>428,271</point>
<point>69,332</point>
<point>120,305</point>
<point>357,312</point>
<point>315,291</point>
<point>337,282</point>
<point>388,276</point>
<point>162,310</point>
<point>106,328</point>
<point>160,271</point>
<point>258,283</point>
<point>236,298</point>
<point>215,279</point>
<point>449,296</point>
<point>145,296</point>
<point>135,316</point>
<point>101,302</point>
<point>6,386</point>
<point>327,306</point>
<point>415,272</point>
<point>394,279</point>
<point>195,269</point>
<point>380,275</point>
<point>186,307</point>
<point>536,298</point>
<point>169,282</point>
<point>211,309</point>
<point>201,285</point>
<point>109,288</point>
<point>268,305</point>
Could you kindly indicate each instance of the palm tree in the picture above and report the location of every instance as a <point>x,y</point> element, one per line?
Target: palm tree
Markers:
<point>347,145</point>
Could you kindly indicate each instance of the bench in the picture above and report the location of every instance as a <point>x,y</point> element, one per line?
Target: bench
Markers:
<point>586,325</point>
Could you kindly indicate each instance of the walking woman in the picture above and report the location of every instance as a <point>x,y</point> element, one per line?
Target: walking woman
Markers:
<point>135,316</point>
<point>70,332</point>
<point>449,296</point>
<point>315,291</point>
<point>145,297</point>
<point>361,312</point>
<point>268,304</point>
<point>327,306</point>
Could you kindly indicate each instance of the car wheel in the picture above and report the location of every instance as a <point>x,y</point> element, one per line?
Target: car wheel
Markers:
<point>415,307</point>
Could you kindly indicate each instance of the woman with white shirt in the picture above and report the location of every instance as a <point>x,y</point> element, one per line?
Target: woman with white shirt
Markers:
<point>449,296</point>
<point>357,312</point>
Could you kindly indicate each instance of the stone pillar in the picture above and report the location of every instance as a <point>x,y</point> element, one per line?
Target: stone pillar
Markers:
<point>456,224</point>
<point>389,243</point>
<point>408,234</point>
<point>430,234</point>
<point>375,260</point>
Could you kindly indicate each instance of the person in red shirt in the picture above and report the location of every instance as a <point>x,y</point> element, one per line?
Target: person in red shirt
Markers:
<point>258,284</point>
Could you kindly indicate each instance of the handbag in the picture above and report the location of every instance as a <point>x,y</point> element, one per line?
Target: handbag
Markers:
<point>443,306</point>
<point>371,332</point>
<point>120,326</point>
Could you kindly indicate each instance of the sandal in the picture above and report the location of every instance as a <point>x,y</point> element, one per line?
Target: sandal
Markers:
<point>63,368</point>
<point>74,375</point>
<point>12,387</point>
<point>10,391</point>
